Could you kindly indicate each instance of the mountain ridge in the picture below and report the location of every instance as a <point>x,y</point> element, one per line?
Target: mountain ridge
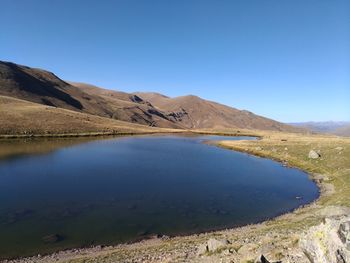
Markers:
<point>341,128</point>
<point>43,87</point>
<point>194,112</point>
<point>150,108</point>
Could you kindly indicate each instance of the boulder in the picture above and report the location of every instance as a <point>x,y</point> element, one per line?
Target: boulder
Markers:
<point>327,241</point>
<point>344,233</point>
<point>314,154</point>
<point>202,249</point>
<point>263,259</point>
<point>212,245</point>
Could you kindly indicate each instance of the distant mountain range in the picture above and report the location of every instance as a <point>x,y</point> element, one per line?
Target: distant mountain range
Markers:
<point>149,109</point>
<point>333,127</point>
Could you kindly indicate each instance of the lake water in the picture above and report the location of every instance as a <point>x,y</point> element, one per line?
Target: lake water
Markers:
<point>59,194</point>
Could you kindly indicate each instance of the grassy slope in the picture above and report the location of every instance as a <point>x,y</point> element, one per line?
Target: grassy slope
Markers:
<point>43,87</point>
<point>127,107</point>
<point>278,237</point>
<point>188,112</point>
<point>193,112</point>
<point>19,117</point>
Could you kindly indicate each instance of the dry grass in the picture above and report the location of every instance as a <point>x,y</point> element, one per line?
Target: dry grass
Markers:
<point>20,118</point>
<point>199,113</point>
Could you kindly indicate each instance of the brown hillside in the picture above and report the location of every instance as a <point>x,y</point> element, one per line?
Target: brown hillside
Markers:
<point>196,113</point>
<point>44,87</point>
<point>151,109</point>
<point>128,107</point>
<point>24,117</point>
<point>343,131</point>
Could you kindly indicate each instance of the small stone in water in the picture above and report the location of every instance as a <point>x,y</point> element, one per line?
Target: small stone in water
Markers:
<point>54,238</point>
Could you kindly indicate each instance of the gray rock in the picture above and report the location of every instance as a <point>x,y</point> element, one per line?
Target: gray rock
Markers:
<point>263,259</point>
<point>214,244</point>
<point>325,242</point>
<point>314,155</point>
<point>340,256</point>
<point>202,249</point>
<point>344,233</point>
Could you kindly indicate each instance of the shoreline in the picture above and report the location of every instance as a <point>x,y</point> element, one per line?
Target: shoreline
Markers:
<point>313,177</point>
<point>320,180</point>
<point>114,133</point>
<point>78,135</point>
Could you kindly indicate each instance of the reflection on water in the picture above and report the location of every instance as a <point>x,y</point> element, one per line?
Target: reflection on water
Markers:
<point>20,147</point>
<point>68,193</point>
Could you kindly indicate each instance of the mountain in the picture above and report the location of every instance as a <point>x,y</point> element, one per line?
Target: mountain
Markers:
<point>25,117</point>
<point>193,112</point>
<point>53,98</point>
<point>127,107</point>
<point>333,127</point>
<point>43,87</point>
<point>343,131</point>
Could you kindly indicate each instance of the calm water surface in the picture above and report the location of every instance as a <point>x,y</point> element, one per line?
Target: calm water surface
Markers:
<point>123,189</point>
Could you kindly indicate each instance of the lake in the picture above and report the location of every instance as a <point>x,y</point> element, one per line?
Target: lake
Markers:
<point>64,193</point>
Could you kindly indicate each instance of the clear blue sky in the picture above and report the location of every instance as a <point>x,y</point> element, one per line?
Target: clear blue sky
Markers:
<point>287,60</point>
